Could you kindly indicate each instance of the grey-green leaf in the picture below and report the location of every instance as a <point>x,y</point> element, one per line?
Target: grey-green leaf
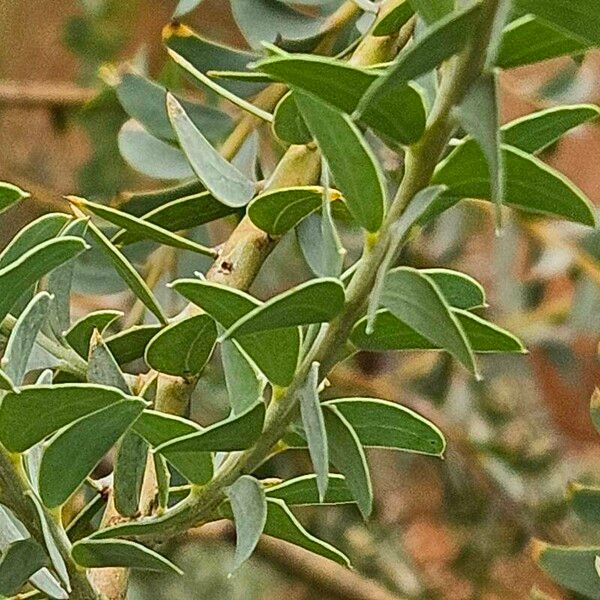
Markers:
<point>249,508</point>
<point>244,383</point>
<point>416,300</point>
<point>128,473</point>
<point>221,178</point>
<point>314,426</point>
<point>288,125</point>
<point>315,301</point>
<point>19,562</point>
<point>226,306</point>
<point>535,132</point>
<point>103,369</point>
<point>19,276</point>
<point>355,170</point>
<point>530,184</point>
<point>459,289</point>
<point>238,432</point>
<point>392,21</point>
<point>585,501</point>
<point>72,455</point>
<point>130,344</point>
<point>80,333</point>
<point>141,228</point>
<point>433,10</point>
<point>348,456</point>
<point>571,567</point>
<point>479,116</point>
<point>440,41</point>
<point>184,347</point>
<point>37,411</point>
<point>303,491</point>
<point>92,554</point>
<point>278,211</point>
<point>23,336</point>
<point>10,194</point>
<point>128,273</point>
<point>151,156</point>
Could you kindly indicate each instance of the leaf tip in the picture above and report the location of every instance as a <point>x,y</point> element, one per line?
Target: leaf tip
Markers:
<point>175,29</point>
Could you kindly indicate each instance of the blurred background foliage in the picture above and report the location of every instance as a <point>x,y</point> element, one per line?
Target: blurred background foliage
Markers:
<point>457,529</point>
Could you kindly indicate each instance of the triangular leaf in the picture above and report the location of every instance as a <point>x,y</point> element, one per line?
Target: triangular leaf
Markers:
<point>315,301</point>
<point>225,182</point>
<point>184,347</point>
<point>249,508</point>
<point>585,501</point>
<point>130,344</point>
<point>415,299</point>
<point>348,456</point>
<point>19,276</point>
<point>37,411</point>
<point>302,491</point>
<point>23,336</point>
<point>288,124</point>
<point>10,194</point>
<point>355,171</point>
<point>80,333</point>
<point>93,554</point>
<point>72,455</point>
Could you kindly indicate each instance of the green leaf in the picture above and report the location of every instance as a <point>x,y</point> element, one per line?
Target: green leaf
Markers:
<point>384,424</point>
<point>163,480</point>
<point>159,428</point>
<point>226,306</point>
<point>398,115</point>
<point>535,132</point>
<point>530,40</point>
<point>585,501</point>
<point>49,532</point>
<point>320,244</point>
<point>19,562</point>
<point>314,426</point>
<point>355,170</point>
<point>22,274</point>
<point>82,524</point>
<point>184,7</point>
<point>80,334</point>
<point>439,42</point>
<point>10,194</point>
<point>75,451</point>
<point>151,156</point>
<point>145,101</point>
<point>288,124</point>
<point>595,409</point>
<point>433,10</point>
<point>459,289</point>
<point>128,473</point>
<point>315,301</point>
<point>573,568</point>
<point>578,17</point>
<point>128,273</point>
<point>206,55</point>
<point>5,383</point>
<point>278,211</point>
<point>139,203</point>
<point>225,182</point>
<point>414,298</point>
<point>530,184</point>
<point>23,336</point>
<point>394,19</point>
<point>140,228</point>
<point>130,344</point>
<point>391,333</point>
<point>479,116</point>
<point>182,213</point>
<point>37,411</point>
<point>184,347</point>
<point>40,230</point>
<point>249,508</point>
<point>103,369</point>
<point>282,524</point>
<point>302,491</point>
<point>93,554</point>
<point>268,20</point>
<point>348,456</point>
<point>238,432</point>
<point>244,383</point>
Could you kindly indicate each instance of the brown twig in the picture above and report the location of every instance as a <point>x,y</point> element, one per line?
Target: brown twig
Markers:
<point>51,94</point>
